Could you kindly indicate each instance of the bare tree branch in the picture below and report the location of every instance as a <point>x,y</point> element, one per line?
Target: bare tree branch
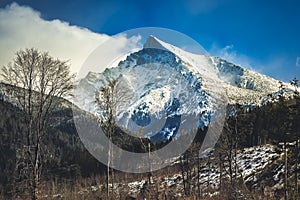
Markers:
<point>40,82</point>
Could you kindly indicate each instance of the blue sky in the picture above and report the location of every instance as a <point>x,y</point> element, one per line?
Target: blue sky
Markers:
<point>262,35</point>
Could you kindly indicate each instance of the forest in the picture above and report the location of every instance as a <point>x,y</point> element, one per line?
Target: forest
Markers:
<point>68,167</point>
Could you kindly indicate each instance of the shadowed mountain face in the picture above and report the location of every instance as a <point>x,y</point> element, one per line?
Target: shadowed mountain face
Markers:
<point>160,88</point>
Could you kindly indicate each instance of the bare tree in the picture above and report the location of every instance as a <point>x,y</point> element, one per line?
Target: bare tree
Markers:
<point>106,100</point>
<point>40,83</point>
<point>109,98</point>
<point>226,149</point>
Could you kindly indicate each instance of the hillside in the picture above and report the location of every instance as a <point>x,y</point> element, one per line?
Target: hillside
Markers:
<point>260,165</point>
<point>252,153</point>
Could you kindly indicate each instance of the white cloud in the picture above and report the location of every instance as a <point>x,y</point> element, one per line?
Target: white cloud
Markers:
<point>22,27</point>
<point>230,54</point>
<point>110,53</point>
<point>298,61</point>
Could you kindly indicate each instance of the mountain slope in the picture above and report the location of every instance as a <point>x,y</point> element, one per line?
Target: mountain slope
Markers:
<point>177,84</point>
<point>242,85</point>
<point>167,91</point>
<point>165,82</point>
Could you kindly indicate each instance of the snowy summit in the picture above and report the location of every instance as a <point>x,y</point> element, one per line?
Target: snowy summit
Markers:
<point>166,82</point>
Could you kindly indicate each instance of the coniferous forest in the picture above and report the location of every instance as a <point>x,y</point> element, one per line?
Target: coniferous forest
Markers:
<point>69,171</point>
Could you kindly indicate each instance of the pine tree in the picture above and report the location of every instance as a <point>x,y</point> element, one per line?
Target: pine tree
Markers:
<point>295,83</point>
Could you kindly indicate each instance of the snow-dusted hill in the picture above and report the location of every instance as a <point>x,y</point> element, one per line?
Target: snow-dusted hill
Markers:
<point>165,82</point>
<point>261,168</point>
<point>251,163</point>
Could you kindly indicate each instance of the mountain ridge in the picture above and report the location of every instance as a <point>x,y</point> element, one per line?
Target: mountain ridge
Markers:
<point>243,86</point>
<point>205,82</point>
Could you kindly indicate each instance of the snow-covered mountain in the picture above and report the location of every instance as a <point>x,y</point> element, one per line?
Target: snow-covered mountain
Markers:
<point>165,82</point>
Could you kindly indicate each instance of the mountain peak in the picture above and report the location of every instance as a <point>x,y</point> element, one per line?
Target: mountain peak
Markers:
<point>153,42</point>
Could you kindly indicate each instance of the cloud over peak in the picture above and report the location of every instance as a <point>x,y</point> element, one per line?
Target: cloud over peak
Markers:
<point>298,61</point>
<point>23,27</point>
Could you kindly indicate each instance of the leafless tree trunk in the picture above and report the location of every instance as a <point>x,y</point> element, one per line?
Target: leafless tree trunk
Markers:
<point>285,171</point>
<point>227,149</point>
<point>39,83</point>
<point>235,155</point>
<point>150,168</point>
<point>221,173</point>
<point>208,174</point>
<point>188,177</point>
<point>106,100</point>
<point>183,173</point>
<point>109,98</point>
<point>198,175</point>
<point>296,170</point>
